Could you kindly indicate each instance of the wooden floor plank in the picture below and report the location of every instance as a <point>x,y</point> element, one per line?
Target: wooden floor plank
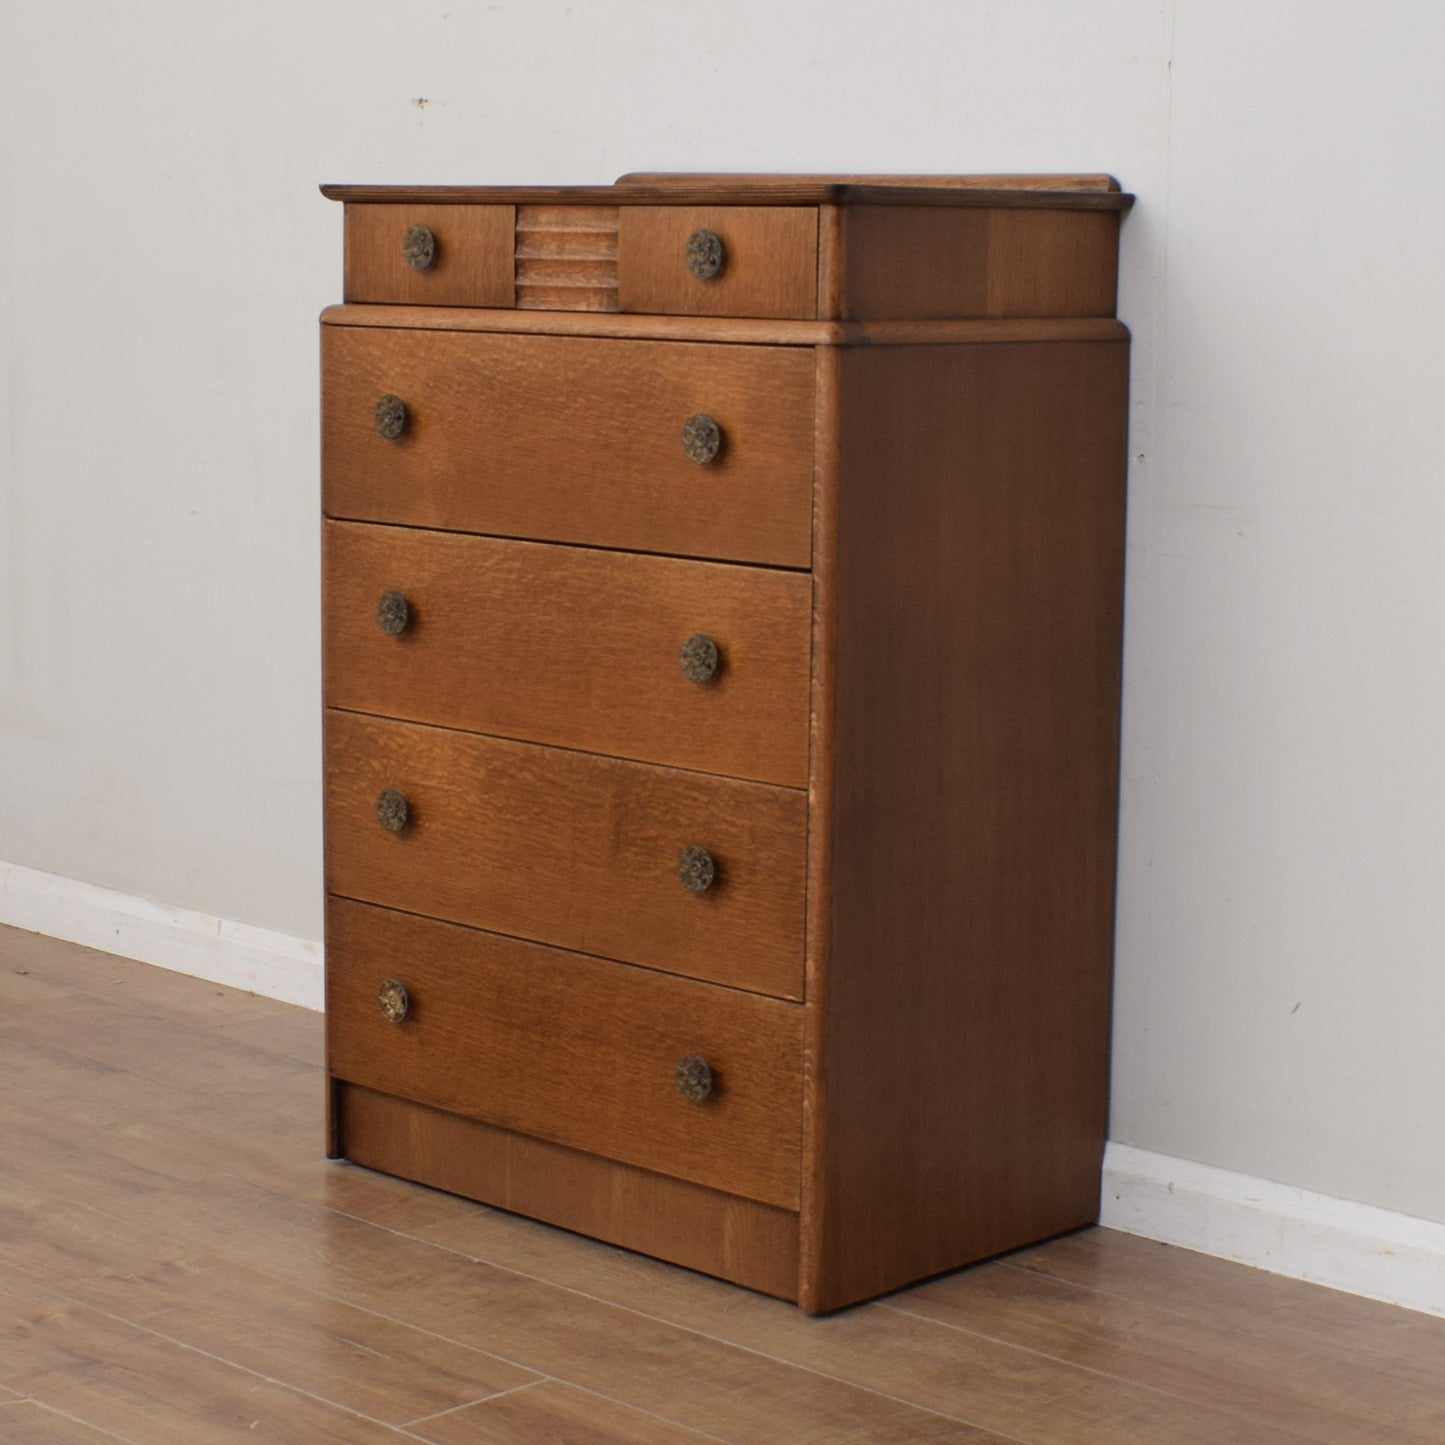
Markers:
<point>1405,1343</point>
<point>1323,1392</point>
<point>553,1411</point>
<point>52,964</point>
<point>353,1358</point>
<point>144,1388</point>
<point>179,1263</point>
<point>26,1423</point>
<point>1018,1392</point>
<point>628,1356</point>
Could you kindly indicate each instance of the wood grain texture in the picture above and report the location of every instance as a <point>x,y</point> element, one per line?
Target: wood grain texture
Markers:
<point>144,1387</point>
<point>572,440</point>
<point>716,1233</point>
<point>566,258</point>
<point>770,269</point>
<point>1318,1387</point>
<point>354,1358</point>
<point>551,1411</point>
<point>969,331</point>
<point>573,647</point>
<point>968,976</point>
<point>26,1423</point>
<point>961,1368</point>
<point>473,265</point>
<point>927,263</point>
<point>748,191</point>
<point>763,183</point>
<point>258,1259</point>
<point>576,1050</point>
<point>570,849</point>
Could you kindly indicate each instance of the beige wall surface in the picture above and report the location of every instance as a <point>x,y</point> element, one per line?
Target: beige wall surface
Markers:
<point>165,252</point>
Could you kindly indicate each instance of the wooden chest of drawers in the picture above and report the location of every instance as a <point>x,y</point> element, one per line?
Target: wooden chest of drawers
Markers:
<point>723,586</point>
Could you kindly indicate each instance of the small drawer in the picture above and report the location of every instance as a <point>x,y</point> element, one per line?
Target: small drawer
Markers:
<point>675,447</point>
<point>430,255</point>
<point>759,261</point>
<point>679,871</point>
<point>696,664</point>
<point>692,1081</point>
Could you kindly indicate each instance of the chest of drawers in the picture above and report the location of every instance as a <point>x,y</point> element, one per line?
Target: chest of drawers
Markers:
<point>723,587</point>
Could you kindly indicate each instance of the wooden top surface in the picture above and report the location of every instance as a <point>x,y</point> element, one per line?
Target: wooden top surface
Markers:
<point>640,188</point>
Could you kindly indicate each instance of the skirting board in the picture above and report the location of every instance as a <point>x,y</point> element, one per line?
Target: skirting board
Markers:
<point>1353,1247</point>
<point>238,955</point>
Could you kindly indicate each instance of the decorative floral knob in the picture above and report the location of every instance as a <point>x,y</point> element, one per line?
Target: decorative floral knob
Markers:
<point>393,1000</point>
<point>696,869</point>
<point>392,810</point>
<point>393,613</point>
<point>699,658</point>
<point>419,247</point>
<point>702,439</point>
<point>693,1077</point>
<point>389,414</point>
<point>706,254</point>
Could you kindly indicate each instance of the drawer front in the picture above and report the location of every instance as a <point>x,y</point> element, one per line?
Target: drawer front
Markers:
<point>430,255</point>
<point>769,261</point>
<point>570,849</point>
<point>572,1049</point>
<point>573,439</point>
<point>571,646</point>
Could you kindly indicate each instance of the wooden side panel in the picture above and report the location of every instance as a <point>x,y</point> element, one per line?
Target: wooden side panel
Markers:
<point>770,270</point>
<point>571,849</point>
<point>572,646</point>
<point>473,265</point>
<point>572,439</point>
<point>917,263</point>
<point>573,1049</point>
<point>737,1239</point>
<point>977,596</point>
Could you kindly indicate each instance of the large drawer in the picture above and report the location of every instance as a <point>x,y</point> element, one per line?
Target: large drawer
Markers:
<point>573,439</point>
<point>572,646</point>
<point>572,1049</point>
<point>571,849</point>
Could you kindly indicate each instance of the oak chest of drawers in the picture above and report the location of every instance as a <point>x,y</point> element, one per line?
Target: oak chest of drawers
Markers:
<point>723,584</point>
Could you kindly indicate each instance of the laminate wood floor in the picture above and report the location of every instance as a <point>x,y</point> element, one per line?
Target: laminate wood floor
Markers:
<point>179,1263</point>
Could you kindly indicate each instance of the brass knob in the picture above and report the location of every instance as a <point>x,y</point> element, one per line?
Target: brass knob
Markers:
<point>392,811</point>
<point>389,415</point>
<point>393,1000</point>
<point>419,247</point>
<point>706,254</point>
<point>693,1077</point>
<point>393,613</point>
<point>699,658</point>
<point>696,869</point>
<point>702,439</point>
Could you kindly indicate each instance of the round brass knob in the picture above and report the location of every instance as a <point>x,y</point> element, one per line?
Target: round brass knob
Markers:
<point>392,811</point>
<point>393,1000</point>
<point>419,247</point>
<point>696,869</point>
<point>393,613</point>
<point>693,1077</point>
<point>699,658</point>
<point>702,439</point>
<point>389,414</point>
<point>706,254</point>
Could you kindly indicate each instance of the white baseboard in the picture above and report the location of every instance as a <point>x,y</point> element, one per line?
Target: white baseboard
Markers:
<point>1354,1247</point>
<point>239,955</point>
